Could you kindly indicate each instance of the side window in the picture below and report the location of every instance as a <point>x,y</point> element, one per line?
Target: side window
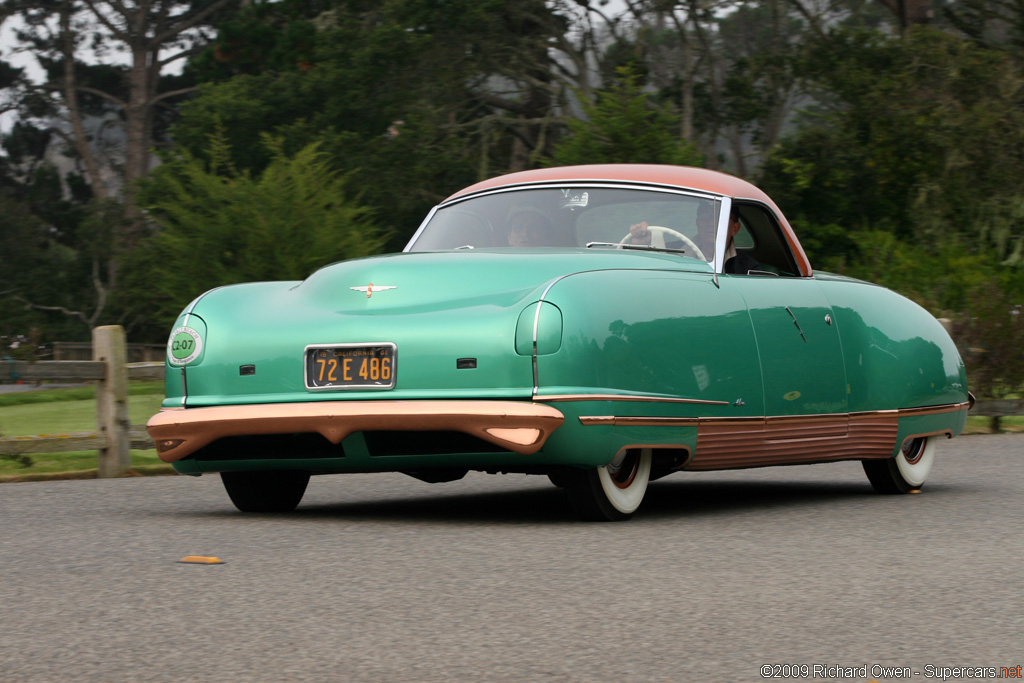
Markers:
<point>761,237</point>
<point>743,239</point>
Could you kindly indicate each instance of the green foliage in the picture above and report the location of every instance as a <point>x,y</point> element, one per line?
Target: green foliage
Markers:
<point>81,393</point>
<point>63,411</point>
<point>922,137</point>
<point>989,334</point>
<point>939,276</point>
<point>985,302</point>
<point>220,226</point>
<point>21,460</point>
<point>38,266</point>
<point>911,176</point>
<point>623,125</point>
<point>400,93</point>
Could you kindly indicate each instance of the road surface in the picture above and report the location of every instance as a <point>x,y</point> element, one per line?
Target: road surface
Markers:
<point>385,578</point>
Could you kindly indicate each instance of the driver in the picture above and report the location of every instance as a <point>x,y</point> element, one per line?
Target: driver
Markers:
<point>705,222</point>
<point>736,262</point>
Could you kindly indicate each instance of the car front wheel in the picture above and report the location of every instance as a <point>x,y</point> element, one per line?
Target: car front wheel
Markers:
<point>907,471</point>
<point>611,493</point>
<point>265,491</point>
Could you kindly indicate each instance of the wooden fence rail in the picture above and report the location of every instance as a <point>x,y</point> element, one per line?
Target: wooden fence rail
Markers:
<point>989,407</point>
<point>115,437</point>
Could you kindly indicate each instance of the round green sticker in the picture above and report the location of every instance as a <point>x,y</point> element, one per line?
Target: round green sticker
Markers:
<point>184,346</point>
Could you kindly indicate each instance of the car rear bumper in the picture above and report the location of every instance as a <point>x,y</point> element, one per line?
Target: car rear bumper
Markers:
<point>515,426</point>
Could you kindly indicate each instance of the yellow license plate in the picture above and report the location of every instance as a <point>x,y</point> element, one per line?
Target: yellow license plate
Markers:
<point>350,366</point>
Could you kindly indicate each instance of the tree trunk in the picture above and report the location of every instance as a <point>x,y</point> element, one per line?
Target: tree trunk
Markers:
<point>81,140</point>
<point>137,114</point>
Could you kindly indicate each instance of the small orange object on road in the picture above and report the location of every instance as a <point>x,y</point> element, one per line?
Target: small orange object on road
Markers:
<point>199,559</point>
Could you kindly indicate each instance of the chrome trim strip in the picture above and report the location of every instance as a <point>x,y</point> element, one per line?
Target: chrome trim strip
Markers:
<point>416,235</point>
<point>864,413</point>
<point>721,237</point>
<point>937,410</point>
<point>536,324</point>
<point>195,302</point>
<point>767,421</point>
<point>548,184</point>
<point>583,182</point>
<point>184,322</point>
<point>620,397</point>
<point>715,421</point>
<point>591,420</point>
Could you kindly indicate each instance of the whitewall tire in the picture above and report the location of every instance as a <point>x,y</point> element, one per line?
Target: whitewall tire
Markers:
<point>613,492</point>
<point>907,471</point>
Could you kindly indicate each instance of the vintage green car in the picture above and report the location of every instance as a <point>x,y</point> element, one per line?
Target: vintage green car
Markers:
<point>602,325</point>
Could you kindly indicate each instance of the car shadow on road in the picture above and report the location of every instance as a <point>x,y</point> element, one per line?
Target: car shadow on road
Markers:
<point>534,505</point>
<point>664,499</point>
<point>669,498</point>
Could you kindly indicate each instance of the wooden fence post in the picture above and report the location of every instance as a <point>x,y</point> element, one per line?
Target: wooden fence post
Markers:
<point>108,345</point>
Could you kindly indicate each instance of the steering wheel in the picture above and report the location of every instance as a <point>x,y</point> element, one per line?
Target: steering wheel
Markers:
<point>658,233</point>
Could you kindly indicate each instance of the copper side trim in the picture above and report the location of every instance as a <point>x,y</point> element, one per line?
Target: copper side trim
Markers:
<point>728,442</point>
<point>935,410</point>
<point>618,397</point>
<point>874,412</point>
<point>726,421</point>
<point>724,444</point>
<point>519,427</point>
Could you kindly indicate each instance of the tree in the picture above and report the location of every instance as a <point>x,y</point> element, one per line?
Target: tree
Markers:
<point>34,266</point>
<point>725,68</point>
<point>153,35</point>
<point>414,97</point>
<point>623,126</point>
<point>222,226</point>
<point>922,137</point>
<point>105,112</point>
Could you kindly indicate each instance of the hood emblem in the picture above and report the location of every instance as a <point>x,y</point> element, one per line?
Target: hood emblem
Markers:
<point>371,288</point>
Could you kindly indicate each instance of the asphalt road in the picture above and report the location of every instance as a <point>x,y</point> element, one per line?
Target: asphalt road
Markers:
<point>382,577</point>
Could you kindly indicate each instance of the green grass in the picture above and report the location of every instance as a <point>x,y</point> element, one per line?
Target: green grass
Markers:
<point>983,425</point>
<point>62,411</point>
<point>73,394</point>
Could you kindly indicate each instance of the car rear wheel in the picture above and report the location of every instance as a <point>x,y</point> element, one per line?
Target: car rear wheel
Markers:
<point>611,493</point>
<point>265,491</point>
<point>907,471</point>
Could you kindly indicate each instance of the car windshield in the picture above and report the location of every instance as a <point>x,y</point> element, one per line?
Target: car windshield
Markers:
<point>574,216</point>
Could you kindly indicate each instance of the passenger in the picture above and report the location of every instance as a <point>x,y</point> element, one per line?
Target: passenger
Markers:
<point>528,228</point>
<point>737,262</point>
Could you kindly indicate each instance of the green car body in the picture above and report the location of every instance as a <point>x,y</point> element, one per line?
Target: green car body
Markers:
<point>600,364</point>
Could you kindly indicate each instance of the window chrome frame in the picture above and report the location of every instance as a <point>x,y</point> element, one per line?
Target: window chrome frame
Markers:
<point>546,185</point>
